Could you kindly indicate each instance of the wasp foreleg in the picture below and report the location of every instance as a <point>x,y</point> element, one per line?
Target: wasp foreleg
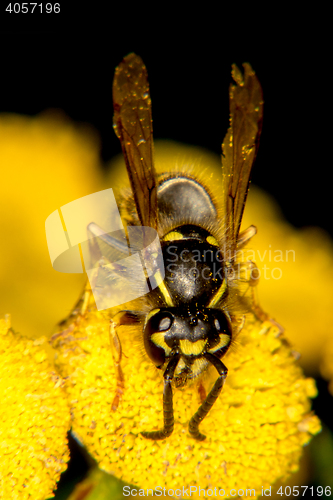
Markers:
<point>167,404</point>
<point>204,409</point>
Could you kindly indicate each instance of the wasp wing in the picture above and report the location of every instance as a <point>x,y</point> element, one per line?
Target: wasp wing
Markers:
<point>133,126</point>
<point>240,147</point>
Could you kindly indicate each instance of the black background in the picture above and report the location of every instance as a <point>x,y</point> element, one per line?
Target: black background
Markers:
<point>67,62</point>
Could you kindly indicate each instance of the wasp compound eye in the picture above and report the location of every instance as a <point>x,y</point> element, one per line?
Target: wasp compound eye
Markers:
<point>154,337</point>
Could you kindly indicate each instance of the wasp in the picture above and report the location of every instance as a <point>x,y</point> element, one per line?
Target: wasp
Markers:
<point>188,321</point>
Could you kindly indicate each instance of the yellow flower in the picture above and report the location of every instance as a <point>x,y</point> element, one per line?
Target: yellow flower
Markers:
<point>255,431</point>
<point>34,419</point>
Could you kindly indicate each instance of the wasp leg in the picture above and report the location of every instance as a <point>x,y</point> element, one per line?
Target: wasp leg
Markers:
<point>116,355</point>
<point>121,318</point>
<point>167,404</point>
<point>245,236</point>
<point>204,409</point>
<point>256,308</point>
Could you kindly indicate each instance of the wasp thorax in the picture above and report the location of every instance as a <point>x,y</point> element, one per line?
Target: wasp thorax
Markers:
<point>193,265</point>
